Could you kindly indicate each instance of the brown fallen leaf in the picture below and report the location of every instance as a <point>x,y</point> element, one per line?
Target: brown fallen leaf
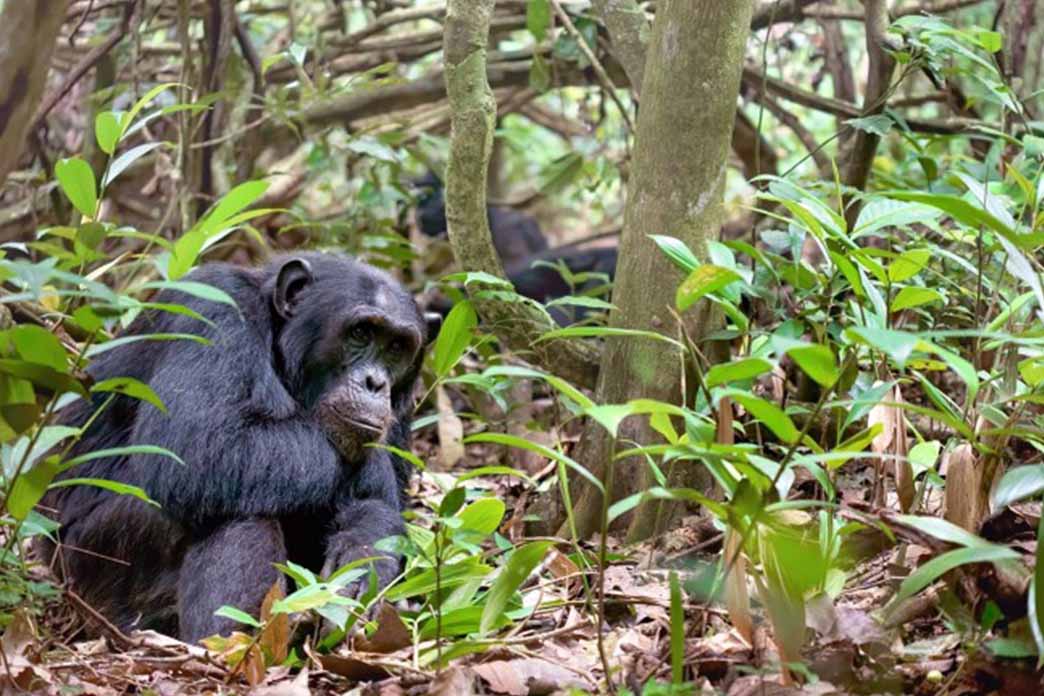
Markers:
<point>275,638</point>
<point>391,633</point>
<point>528,676</point>
<point>453,681</point>
<point>19,674</point>
<point>297,687</point>
<point>451,432</point>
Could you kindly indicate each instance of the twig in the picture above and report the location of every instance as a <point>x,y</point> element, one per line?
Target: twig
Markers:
<point>131,19</point>
<point>603,77</point>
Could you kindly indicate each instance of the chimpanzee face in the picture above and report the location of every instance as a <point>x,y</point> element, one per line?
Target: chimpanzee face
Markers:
<point>351,342</point>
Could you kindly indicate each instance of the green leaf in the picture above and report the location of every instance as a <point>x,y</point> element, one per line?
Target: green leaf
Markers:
<point>518,567</point>
<point>676,250</point>
<point>939,566</point>
<point>769,414</point>
<point>1018,484</point>
<point>942,529</point>
<point>1036,598</point>
<point>38,345</point>
<point>897,345</point>
<point>677,631</point>
<point>483,516</point>
<point>452,501</point>
<point>454,337</point>
<point>199,290</point>
<point>124,340</point>
<point>77,181</point>
<point>305,599</point>
<point>424,583</point>
<point>107,131</point>
<point>30,486</point>
<point>538,18</point>
<point>705,279</point>
<point>237,615</point>
<point>128,118</point>
<point>553,455</point>
<point>128,386</point>
<point>120,164</point>
<point>605,332</point>
<point>43,376</point>
<point>817,361</point>
<point>911,296</point>
<point>878,124</point>
<point>908,264</point>
<point>188,247</point>
<point>125,451</point>
<point>112,486</point>
<point>736,371</point>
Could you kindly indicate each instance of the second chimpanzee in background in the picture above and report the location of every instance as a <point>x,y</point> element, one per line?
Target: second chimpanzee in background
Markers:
<point>273,421</point>
<point>522,248</point>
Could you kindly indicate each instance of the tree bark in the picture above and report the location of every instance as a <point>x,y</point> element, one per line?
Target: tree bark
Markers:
<point>691,81</point>
<point>474,111</point>
<point>28,31</point>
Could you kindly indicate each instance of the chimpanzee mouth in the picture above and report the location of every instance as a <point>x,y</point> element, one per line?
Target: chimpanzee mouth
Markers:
<point>376,428</point>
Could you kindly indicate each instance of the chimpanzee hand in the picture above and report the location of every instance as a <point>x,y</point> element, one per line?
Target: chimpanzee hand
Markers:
<point>344,548</point>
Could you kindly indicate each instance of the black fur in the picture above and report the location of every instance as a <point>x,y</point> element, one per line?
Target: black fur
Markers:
<point>515,234</point>
<point>263,479</point>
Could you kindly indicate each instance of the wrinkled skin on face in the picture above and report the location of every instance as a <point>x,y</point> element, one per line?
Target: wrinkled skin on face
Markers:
<point>362,356</point>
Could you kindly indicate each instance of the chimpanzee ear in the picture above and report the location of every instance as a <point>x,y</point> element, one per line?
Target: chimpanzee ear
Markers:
<point>433,320</point>
<point>294,276</point>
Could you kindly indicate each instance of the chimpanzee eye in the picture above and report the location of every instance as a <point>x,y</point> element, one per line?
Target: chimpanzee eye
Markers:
<point>361,333</point>
<point>397,346</point>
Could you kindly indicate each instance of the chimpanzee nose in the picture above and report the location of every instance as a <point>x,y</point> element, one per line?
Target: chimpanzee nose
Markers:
<point>375,383</point>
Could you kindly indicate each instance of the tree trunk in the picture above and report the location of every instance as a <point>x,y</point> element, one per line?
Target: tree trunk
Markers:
<point>28,31</point>
<point>691,81</point>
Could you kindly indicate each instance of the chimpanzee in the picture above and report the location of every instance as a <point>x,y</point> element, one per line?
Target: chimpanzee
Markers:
<point>515,234</point>
<point>273,420</point>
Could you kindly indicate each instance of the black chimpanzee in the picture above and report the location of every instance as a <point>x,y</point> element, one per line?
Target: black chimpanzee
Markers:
<point>515,234</point>
<point>272,420</point>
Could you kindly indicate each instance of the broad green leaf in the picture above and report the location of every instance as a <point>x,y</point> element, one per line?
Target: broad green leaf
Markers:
<point>518,567</point>
<point>818,362</point>
<point>677,631</point>
<point>128,386</point>
<point>686,495</point>
<point>107,131</point>
<point>128,118</point>
<point>1019,483</point>
<point>30,486</point>
<point>483,516</point>
<point>452,501</point>
<point>676,250</point>
<point>77,181</point>
<point>908,264</point>
<point>769,414</point>
<point>897,345</point>
<point>606,331</point>
<point>237,615</point>
<point>37,344</point>
<point>736,371</point>
<point>1036,598</point>
<point>912,296</point>
<point>454,338</point>
<point>42,376</point>
<point>538,18</point>
<point>705,279</point>
<point>939,566</point>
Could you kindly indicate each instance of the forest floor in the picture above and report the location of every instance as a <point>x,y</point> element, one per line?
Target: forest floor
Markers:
<point>851,648</point>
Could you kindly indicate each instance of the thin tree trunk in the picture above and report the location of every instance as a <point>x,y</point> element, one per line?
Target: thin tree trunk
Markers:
<point>28,31</point>
<point>690,84</point>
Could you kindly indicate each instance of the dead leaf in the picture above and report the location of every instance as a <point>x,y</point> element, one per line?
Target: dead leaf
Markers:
<point>737,596</point>
<point>19,672</point>
<point>275,638</point>
<point>891,441</point>
<point>297,687</point>
<point>528,676</point>
<point>453,681</point>
<point>966,506</point>
<point>391,633</point>
<point>451,432</point>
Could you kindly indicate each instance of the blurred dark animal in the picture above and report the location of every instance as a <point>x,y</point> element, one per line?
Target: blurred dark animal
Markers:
<point>272,420</point>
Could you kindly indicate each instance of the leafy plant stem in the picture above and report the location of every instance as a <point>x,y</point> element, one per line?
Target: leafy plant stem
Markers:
<point>610,475</point>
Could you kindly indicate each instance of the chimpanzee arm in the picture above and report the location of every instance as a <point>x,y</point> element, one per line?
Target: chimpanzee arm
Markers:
<point>248,448</point>
<point>369,510</point>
